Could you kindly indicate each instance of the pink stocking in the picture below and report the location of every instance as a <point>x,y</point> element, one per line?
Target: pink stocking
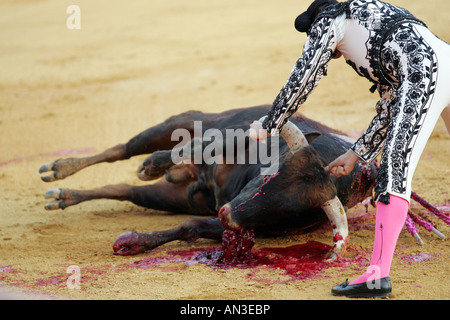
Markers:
<point>390,219</point>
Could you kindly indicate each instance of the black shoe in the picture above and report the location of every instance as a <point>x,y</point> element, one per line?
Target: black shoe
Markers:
<point>380,288</point>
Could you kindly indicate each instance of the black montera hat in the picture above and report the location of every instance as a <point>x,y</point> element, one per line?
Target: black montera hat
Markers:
<point>304,21</point>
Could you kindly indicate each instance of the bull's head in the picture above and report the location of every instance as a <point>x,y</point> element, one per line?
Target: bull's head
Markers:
<point>294,197</point>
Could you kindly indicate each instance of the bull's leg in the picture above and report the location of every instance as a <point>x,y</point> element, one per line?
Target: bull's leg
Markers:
<point>134,242</point>
<point>63,168</point>
<point>338,219</point>
<point>67,197</point>
<point>162,196</point>
<point>151,140</point>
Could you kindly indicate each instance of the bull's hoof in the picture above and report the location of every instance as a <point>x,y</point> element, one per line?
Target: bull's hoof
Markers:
<point>61,168</point>
<point>55,204</point>
<point>63,199</point>
<point>155,166</point>
<point>149,172</point>
<point>130,243</point>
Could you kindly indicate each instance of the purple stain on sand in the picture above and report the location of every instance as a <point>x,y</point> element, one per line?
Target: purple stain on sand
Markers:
<point>6,269</point>
<point>420,257</point>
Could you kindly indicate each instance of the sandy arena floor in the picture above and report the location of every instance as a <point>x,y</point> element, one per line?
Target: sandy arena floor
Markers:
<point>132,65</point>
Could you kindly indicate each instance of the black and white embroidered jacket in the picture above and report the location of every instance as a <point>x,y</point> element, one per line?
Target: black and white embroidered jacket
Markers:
<point>356,29</point>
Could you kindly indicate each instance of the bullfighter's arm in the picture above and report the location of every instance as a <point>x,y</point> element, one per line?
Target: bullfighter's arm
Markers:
<point>369,145</point>
<point>306,74</point>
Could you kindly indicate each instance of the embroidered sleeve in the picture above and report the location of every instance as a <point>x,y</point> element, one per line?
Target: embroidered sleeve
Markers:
<point>306,74</point>
<point>369,145</point>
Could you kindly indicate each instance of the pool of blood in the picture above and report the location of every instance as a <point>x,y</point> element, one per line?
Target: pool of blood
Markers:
<point>298,262</point>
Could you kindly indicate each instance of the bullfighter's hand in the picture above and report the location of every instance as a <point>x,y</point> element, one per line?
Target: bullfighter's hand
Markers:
<point>257,132</point>
<point>343,165</point>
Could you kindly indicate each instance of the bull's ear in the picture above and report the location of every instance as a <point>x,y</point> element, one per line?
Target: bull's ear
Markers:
<point>311,136</point>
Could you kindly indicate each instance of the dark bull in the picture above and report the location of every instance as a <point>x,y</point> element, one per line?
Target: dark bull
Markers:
<point>298,197</point>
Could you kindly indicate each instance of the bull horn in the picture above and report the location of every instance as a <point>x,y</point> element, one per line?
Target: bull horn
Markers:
<point>338,219</point>
<point>293,136</point>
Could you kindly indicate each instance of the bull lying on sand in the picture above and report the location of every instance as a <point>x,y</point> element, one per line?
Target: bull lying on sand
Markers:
<point>298,197</point>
